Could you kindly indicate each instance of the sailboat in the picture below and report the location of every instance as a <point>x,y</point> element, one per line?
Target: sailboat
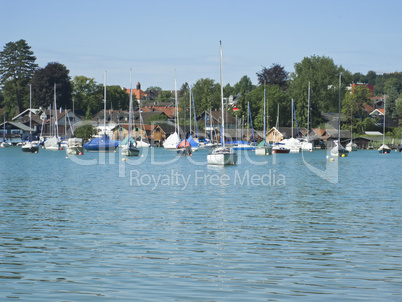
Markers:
<point>30,146</point>
<point>173,140</point>
<point>292,143</point>
<point>245,145</point>
<point>264,148</point>
<point>384,148</point>
<point>184,148</point>
<point>305,143</point>
<point>5,143</point>
<point>193,143</point>
<point>53,143</point>
<point>104,143</point>
<point>222,155</point>
<point>140,143</point>
<point>339,150</point>
<point>278,148</point>
<point>351,146</point>
<point>129,144</point>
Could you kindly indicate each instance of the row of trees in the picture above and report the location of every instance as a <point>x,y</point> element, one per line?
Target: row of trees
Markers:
<point>18,69</point>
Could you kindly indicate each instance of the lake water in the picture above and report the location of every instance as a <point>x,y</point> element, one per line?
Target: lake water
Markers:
<point>287,227</point>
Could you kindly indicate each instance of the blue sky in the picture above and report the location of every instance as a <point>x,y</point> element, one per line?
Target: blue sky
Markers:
<point>157,37</point>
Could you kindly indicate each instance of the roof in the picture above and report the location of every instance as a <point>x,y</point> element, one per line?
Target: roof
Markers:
<point>368,108</point>
<point>138,93</point>
<point>377,112</point>
<point>20,126</point>
<point>333,133</point>
<point>33,110</point>
<point>373,133</point>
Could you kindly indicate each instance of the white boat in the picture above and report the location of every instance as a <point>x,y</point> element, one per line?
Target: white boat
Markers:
<point>306,146</point>
<point>75,146</point>
<point>173,140</point>
<point>53,143</point>
<point>30,146</point>
<point>339,150</point>
<point>351,146</point>
<point>292,143</point>
<point>222,155</point>
<point>142,144</point>
<point>264,148</point>
<point>305,143</point>
<point>129,146</point>
<point>384,148</point>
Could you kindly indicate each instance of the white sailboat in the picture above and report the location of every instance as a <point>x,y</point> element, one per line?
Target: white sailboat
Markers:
<point>141,143</point>
<point>129,144</point>
<point>30,146</point>
<point>264,148</point>
<point>384,148</point>
<point>173,140</point>
<point>222,155</point>
<point>292,143</point>
<point>278,147</point>
<point>339,150</point>
<point>305,143</point>
<point>351,146</point>
<point>53,143</point>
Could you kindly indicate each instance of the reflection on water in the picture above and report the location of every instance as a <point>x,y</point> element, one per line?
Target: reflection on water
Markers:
<point>192,232</point>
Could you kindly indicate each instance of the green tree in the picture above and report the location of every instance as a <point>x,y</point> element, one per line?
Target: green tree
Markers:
<point>323,76</point>
<point>17,66</point>
<point>87,94</point>
<point>165,96</point>
<point>274,96</point>
<point>85,131</point>
<point>117,98</point>
<point>43,86</point>
<point>207,95</point>
<point>244,86</point>
<point>392,86</point>
<point>398,106</point>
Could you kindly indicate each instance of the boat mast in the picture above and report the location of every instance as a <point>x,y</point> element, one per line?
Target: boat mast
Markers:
<point>55,113</point>
<point>190,109</point>
<point>339,112</point>
<point>308,113</point>
<point>176,111</point>
<point>383,131</point>
<point>223,121</point>
<point>104,110</point>
<point>30,110</point>
<point>291,109</point>
<point>130,108</point>
<point>265,129</point>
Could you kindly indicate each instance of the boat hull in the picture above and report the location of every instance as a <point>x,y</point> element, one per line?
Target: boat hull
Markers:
<point>281,150</point>
<point>339,152</point>
<point>184,151</point>
<point>75,150</point>
<point>129,151</point>
<point>263,151</point>
<point>222,156</point>
<point>30,148</point>
<point>384,149</point>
